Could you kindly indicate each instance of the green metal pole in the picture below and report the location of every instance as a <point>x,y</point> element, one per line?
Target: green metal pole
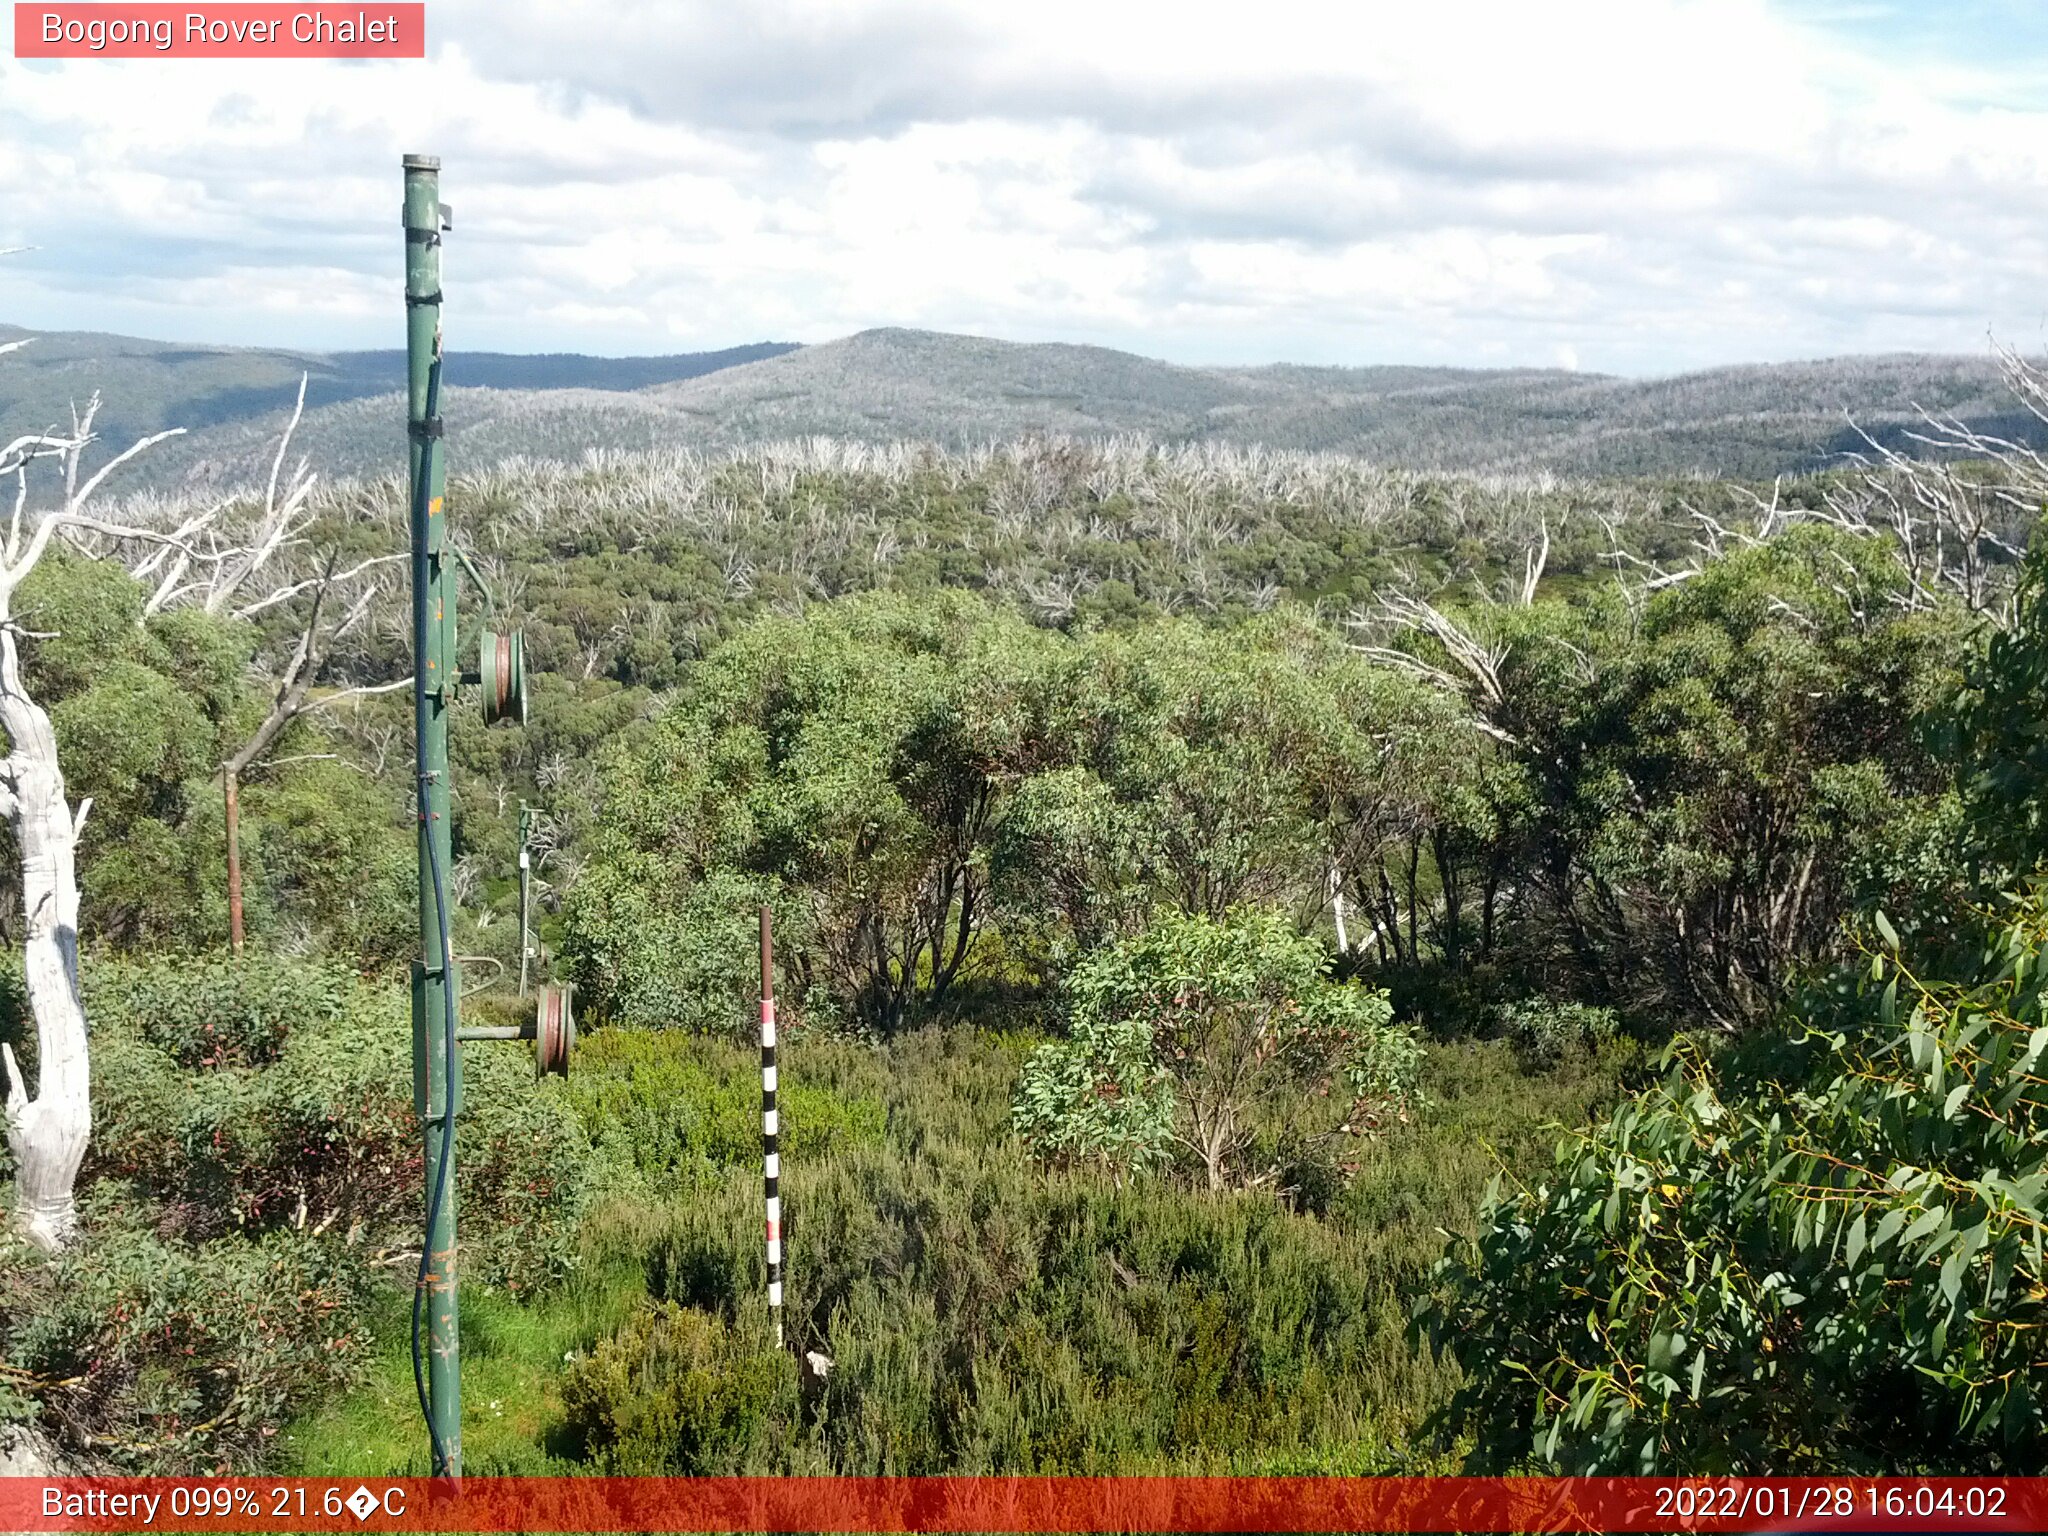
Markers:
<point>437,1074</point>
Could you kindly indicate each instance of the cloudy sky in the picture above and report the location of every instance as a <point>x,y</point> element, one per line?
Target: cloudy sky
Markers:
<point>1637,186</point>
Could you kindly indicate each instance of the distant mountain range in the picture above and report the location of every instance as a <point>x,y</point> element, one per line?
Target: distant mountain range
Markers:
<point>146,386</point>
<point>958,390</point>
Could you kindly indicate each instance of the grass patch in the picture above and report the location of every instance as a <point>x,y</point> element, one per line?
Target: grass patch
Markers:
<point>512,1361</point>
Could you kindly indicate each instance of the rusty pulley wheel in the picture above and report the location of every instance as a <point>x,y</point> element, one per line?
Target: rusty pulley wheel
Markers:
<point>554,1031</point>
<point>501,669</point>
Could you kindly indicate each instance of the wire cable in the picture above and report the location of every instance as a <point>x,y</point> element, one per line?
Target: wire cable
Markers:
<point>444,1166</point>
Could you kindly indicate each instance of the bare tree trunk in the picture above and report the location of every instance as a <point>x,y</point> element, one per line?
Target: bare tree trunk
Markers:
<point>291,700</point>
<point>231,796</point>
<point>1414,897</point>
<point>46,1133</point>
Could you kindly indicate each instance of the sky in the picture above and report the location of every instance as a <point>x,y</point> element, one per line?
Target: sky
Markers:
<point>1628,186</point>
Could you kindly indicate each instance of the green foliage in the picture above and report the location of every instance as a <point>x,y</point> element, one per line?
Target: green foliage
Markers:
<point>295,1110</point>
<point>514,1348</point>
<point>934,794</point>
<point>1221,1037</point>
<point>144,710</point>
<point>956,812</point>
<point>1545,1028</point>
<point>669,1107</point>
<point>1829,1257</point>
<point>215,1013</point>
<point>1701,792</point>
<point>254,1144</point>
<point>846,769</point>
<point>1205,768</point>
<point>1672,812</point>
<point>1101,1096</point>
<point>1997,729</point>
<point>983,1315</point>
<point>675,1392</point>
<point>1820,1250</point>
<point>326,861</point>
<point>1769,727</point>
<point>141,711</point>
<point>173,1357</point>
<point>644,952</point>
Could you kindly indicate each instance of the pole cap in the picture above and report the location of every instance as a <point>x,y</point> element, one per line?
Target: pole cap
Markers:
<point>423,162</point>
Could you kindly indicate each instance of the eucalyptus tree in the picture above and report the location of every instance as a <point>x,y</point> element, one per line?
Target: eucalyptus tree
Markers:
<point>1707,774</point>
<point>1220,1039</point>
<point>1199,768</point>
<point>1822,1249</point>
<point>849,767</point>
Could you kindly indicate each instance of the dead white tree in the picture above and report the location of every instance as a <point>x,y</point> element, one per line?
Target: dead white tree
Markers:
<point>47,1130</point>
<point>244,561</point>
<point>1476,656</point>
<point>1952,512</point>
<point>291,698</point>
<point>193,560</point>
<point>1957,512</point>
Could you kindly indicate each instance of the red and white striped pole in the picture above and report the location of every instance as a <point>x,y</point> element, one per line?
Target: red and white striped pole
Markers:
<point>771,1155</point>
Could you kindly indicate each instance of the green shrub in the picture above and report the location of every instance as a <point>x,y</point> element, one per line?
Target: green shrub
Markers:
<point>233,1197</point>
<point>1100,1097</point>
<point>1823,1255</point>
<point>644,954</point>
<point>1222,1038</point>
<point>1545,1029</point>
<point>673,1104</point>
<point>318,1133</point>
<point>168,1357</point>
<point>987,1315</point>
<point>674,1391</point>
<point>983,1317</point>
<point>214,1012</point>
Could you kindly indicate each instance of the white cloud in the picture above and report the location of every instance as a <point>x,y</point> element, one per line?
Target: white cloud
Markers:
<point>1641,184</point>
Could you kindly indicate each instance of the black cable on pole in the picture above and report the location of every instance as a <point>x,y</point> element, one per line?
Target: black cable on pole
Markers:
<point>443,1167</point>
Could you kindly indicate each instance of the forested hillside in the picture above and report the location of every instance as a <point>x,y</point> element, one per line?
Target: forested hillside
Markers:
<point>966,392</point>
<point>148,386</point>
<point>1204,877</point>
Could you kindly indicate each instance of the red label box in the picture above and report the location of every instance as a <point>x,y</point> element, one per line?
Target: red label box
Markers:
<point>1840,1506</point>
<point>111,30</point>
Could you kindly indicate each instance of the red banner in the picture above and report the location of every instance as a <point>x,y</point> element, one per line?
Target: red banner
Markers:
<point>1065,1504</point>
<point>237,31</point>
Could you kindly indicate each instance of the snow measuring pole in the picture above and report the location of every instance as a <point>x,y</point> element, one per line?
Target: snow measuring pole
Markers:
<point>436,989</point>
<point>771,1130</point>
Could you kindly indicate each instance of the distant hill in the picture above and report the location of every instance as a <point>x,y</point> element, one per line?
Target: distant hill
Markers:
<point>959,390</point>
<point>1752,420</point>
<point>147,386</point>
